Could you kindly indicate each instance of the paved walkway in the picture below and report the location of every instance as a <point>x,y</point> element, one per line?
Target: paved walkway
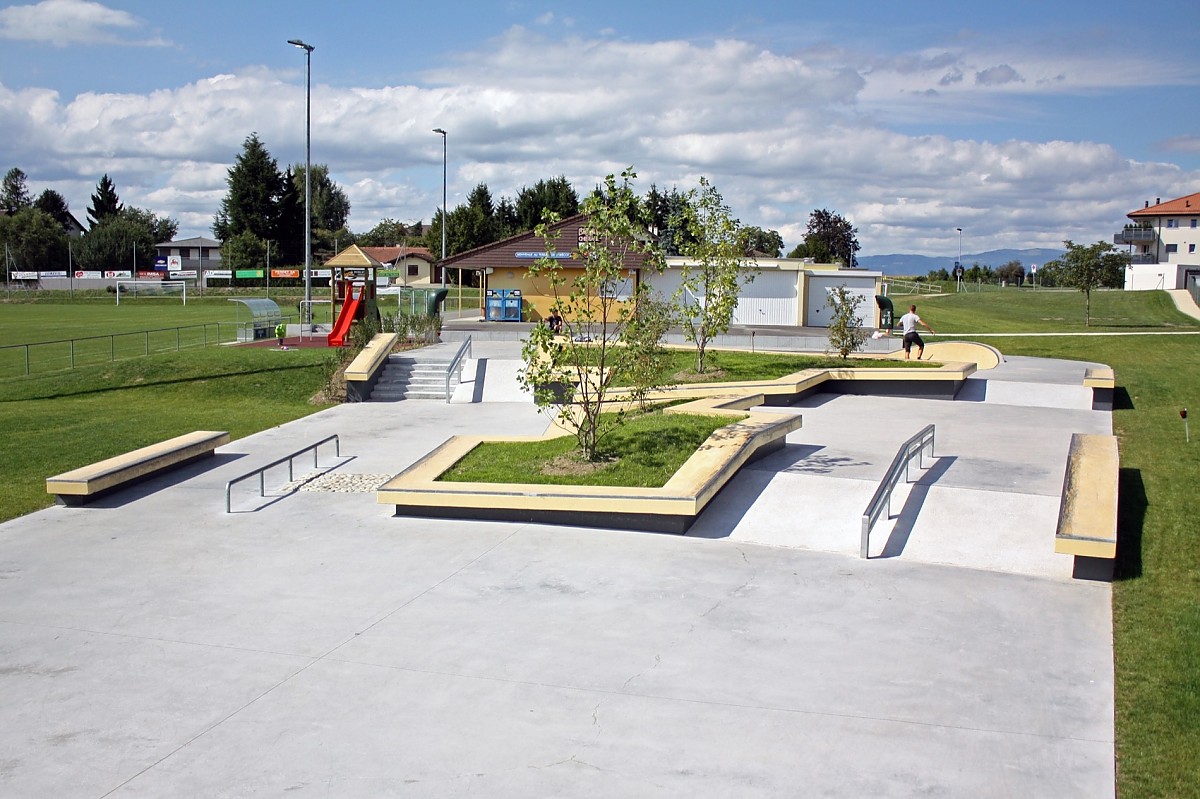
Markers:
<point>312,644</point>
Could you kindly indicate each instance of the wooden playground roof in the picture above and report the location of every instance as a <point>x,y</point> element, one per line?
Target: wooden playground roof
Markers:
<point>354,256</point>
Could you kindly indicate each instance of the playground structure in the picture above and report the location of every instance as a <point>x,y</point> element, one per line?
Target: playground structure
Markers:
<point>353,288</point>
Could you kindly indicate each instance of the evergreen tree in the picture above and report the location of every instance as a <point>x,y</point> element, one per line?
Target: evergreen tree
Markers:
<point>14,196</point>
<point>105,202</point>
<point>289,224</point>
<point>330,206</point>
<point>556,195</point>
<point>255,187</point>
<point>506,219</point>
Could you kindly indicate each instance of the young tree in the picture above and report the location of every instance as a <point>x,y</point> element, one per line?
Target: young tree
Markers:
<point>716,270</point>
<point>255,186</point>
<point>389,233</point>
<point>105,202</point>
<point>1091,267</point>
<point>578,368</point>
<point>14,195</point>
<point>243,251</point>
<point>846,333</point>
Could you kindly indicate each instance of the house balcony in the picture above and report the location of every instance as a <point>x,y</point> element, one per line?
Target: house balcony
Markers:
<point>1135,235</point>
<point>1143,258</point>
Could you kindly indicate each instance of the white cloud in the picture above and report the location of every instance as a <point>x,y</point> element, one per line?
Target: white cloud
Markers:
<point>67,22</point>
<point>779,135</point>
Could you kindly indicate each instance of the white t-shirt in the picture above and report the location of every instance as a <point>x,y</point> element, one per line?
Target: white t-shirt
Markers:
<point>909,322</point>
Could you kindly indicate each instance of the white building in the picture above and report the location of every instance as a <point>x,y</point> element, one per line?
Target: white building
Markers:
<point>1164,240</point>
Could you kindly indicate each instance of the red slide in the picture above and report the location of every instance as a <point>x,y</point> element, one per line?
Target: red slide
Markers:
<point>346,318</point>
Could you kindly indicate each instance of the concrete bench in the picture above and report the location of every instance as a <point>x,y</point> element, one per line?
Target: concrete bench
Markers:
<point>82,485</point>
<point>1103,382</point>
<point>1087,518</point>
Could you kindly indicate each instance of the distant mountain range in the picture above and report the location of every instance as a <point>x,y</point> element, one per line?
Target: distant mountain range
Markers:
<point>922,264</point>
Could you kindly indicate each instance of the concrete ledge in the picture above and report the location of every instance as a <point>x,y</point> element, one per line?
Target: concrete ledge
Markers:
<point>1087,520</point>
<point>671,508</point>
<point>984,356</point>
<point>364,371</point>
<point>1103,383</point>
<point>79,486</point>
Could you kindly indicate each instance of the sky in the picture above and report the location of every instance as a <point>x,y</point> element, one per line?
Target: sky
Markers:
<point>1023,123</point>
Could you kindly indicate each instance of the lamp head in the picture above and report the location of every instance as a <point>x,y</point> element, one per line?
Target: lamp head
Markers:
<point>308,48</point>
<point>439,130</point>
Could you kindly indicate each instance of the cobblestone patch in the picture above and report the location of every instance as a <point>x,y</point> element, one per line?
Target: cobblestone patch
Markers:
<point>339,482</point>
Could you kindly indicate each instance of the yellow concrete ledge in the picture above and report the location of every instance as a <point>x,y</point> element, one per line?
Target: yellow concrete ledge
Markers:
<point>107,474</point>
<point>1087,521</point>
<point>684,495</point>
<point>368,361</point>
<point>983,356</point>
<point>418,490</point>
<point>1100,377</point>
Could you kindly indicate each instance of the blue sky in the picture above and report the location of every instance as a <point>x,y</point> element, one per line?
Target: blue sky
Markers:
<point>1023,123</point>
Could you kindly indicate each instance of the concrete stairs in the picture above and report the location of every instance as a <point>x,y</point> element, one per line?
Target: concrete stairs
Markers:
<point>413,376</point>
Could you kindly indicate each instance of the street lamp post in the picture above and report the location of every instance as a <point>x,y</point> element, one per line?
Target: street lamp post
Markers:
<point>443,268</point>
<point>307,48</point>
<point>958,284</point>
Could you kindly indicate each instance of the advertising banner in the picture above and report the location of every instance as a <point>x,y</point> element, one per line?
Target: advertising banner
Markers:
<point>54,274</point>
<point>118,273</point>
<point>87,275</point>
<point>174,263</point>
<point>223,274</point>
<point>23,275</point>
<point>285,273</point>
<point>322,273</point>
<point>150,275</point>
<point>182,273</point>
<point>248,273</point>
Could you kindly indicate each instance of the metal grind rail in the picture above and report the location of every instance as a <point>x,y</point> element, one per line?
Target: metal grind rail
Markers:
<point>288,459</point>
<point>882,500</point>
<point>457,362</point>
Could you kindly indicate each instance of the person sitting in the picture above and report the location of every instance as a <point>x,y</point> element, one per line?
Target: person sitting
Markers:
<point>555,323</point>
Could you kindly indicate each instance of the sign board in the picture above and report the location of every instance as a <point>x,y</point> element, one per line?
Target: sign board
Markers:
<point>118,273</point>
<point>183,273</point>
<point>223,274</point>
<point>554,255</point>
<point>174,263</point>
<point>23,275</point>
<point>248,273</point>
<point>1033,268</point>
<point>322,273</point>
<point>54,274</point>
<point>285,273</point>
<point>87,275</point>
<point>150,275</point>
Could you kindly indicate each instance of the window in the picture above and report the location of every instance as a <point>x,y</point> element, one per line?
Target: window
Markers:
<point>1191,248</point>
<point>1172,248</point>
<point>1193,223</point>
<point>1170,223</point>
<point>414,270</point>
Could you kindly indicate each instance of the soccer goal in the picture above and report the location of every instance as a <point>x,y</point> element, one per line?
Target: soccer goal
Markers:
<point>132,289</point>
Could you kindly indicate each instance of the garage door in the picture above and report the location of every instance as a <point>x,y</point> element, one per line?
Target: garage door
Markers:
<point>772,298</point>
<point>819,314</point>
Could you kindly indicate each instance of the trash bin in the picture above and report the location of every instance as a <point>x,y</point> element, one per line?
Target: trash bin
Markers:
<point>494,308</point>
<point>433,299</point>
<point>887,312</point>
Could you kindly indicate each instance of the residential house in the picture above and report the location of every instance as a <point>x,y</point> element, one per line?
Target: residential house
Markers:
<point>1163,239</point>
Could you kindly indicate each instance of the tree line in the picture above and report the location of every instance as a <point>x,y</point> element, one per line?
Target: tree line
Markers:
<point>37,233</point>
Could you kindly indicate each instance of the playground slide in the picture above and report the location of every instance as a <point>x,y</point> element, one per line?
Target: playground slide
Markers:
<point>346,318</point>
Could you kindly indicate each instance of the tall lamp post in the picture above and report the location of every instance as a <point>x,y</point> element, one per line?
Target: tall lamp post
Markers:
<point>307,48</point>
<point>958,264</point>
<point>443,135</point>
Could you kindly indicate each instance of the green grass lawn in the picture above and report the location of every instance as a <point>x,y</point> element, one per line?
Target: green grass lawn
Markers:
<point>58,422</point>
<point>1156,598</point>
<point>1026,310</point>
<point>651,447</point>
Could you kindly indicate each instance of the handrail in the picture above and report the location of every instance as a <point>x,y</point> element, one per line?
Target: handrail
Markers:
<point>914,447</point>
<point>457,361</point>
<point>260,471</point>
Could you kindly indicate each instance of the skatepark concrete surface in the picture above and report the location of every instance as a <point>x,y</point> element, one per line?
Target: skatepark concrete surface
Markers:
<point>312,644</point>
